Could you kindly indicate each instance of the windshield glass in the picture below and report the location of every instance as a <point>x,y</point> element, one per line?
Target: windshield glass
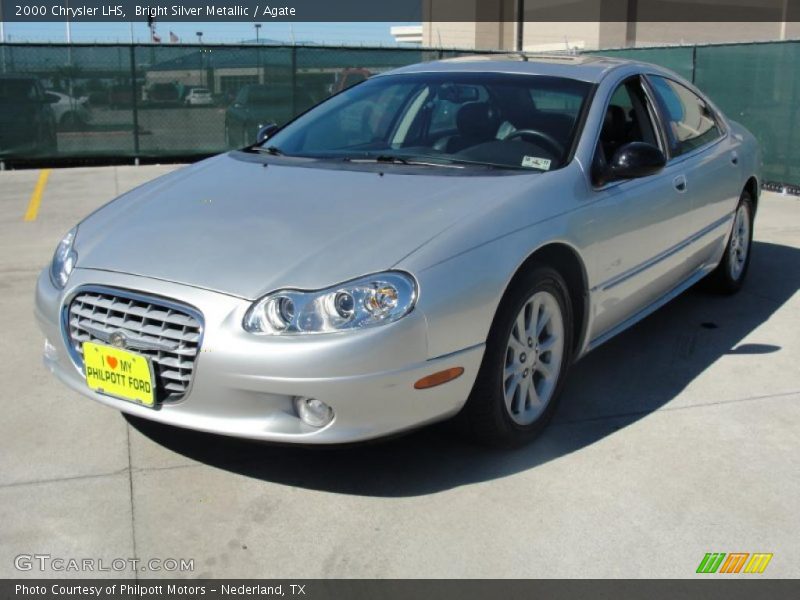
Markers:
<point>504,120</point>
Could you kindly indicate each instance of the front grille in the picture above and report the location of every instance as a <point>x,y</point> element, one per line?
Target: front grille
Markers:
<point>176,330</point>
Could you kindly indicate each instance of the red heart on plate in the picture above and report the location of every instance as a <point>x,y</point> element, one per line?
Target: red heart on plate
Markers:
<point>112,362</point>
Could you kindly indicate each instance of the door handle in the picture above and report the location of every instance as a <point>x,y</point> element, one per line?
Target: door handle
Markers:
<point>680,183</point>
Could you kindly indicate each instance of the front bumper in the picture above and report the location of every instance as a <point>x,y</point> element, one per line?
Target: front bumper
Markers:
<point>244,385</point>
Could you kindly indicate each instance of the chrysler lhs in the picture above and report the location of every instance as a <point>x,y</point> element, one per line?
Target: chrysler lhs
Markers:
<point>442,240</point>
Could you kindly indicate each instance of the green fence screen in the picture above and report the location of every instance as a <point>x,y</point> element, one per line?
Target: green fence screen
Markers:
<point>59,101</point>
<point>67,102</point>
<point>756,84</point>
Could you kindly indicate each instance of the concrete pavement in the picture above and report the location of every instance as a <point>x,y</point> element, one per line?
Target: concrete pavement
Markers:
<point>678,438</point>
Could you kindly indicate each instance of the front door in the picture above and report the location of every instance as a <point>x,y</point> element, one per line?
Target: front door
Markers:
<point>640,222</point>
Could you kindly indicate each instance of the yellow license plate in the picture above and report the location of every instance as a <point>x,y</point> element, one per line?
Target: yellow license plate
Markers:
<point>119,373</point>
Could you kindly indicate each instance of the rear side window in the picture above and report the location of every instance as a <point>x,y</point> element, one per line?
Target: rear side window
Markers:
<point>690,121</point>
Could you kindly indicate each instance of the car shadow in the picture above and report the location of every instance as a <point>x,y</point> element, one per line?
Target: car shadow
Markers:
<point>618,384</point>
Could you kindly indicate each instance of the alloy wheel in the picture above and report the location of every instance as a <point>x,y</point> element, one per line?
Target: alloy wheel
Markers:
<point>534,353</point>
<point>740,242</point>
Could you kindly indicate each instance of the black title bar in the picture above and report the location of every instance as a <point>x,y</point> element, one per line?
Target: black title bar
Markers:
<point>707,588</point>
<point>402,10</point>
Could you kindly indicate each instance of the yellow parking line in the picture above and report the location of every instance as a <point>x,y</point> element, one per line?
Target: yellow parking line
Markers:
<point>36,197</point>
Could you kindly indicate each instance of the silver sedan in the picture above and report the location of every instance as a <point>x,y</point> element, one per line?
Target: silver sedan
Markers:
<point>442,240</point>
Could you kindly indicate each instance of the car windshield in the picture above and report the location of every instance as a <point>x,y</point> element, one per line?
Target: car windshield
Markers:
<point>494,119</point>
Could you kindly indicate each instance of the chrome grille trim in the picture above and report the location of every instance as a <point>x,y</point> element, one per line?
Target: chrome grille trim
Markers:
<point>167,332</point>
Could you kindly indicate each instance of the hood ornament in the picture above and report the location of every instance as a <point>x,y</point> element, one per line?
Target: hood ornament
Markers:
<point>118,339</point>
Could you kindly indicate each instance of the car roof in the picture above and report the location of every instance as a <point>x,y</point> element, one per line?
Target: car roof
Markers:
<point>583,67</point>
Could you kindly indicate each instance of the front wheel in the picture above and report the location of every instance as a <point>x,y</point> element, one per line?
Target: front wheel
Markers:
<point>730,274</point>
<point>528,352</point>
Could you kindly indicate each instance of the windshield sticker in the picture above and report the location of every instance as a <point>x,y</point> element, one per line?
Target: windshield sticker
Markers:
<point>536,162</point>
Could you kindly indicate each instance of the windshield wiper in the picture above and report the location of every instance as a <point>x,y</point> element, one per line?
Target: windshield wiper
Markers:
<point>381,158</point>
<point>478,163</point>
<point>273,150</point>
<point>398,160</point>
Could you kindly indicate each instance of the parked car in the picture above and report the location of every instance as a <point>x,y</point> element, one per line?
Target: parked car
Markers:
<point>445,239</point>
<point>198,97</point>
<point>27,123</point>
<point>258,105</point>
<point>69,112</point>
<point>120,96</point>
<point>162,94</point>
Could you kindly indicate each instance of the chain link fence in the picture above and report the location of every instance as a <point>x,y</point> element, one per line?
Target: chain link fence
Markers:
<point>80,101</point>
<point>93,101</point>
<point>757,84</point>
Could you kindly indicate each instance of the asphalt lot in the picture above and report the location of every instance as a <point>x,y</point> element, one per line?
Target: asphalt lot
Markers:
<point>678,438</point>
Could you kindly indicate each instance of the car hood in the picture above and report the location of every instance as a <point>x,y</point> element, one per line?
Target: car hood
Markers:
<point>245,228</point>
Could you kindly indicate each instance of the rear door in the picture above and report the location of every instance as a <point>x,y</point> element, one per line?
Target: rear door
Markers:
<point>701,147</point>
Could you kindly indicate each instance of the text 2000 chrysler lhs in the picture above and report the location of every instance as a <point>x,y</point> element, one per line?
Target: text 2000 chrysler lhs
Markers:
<point>444,239</point>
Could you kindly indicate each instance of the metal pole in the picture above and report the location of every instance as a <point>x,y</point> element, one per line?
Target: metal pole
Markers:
<point>784,16</point>
<point>69,42</point>
<point>134,105</point>
<point>67,23</point>
<point>2,41</point>
<point>792,125</point>
<point>520,24</point>
<point>294,80</point>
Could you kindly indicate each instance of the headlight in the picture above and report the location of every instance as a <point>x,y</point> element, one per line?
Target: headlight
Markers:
<point>365,302</point>
<point>64,260</point>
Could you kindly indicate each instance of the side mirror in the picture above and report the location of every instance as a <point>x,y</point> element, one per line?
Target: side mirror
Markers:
<point>265,132</point>
<point>635,159</point>
<point>51,98</point>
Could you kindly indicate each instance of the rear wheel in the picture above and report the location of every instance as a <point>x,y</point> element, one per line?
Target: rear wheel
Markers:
<point>730,274</point>
<point>527,355</point>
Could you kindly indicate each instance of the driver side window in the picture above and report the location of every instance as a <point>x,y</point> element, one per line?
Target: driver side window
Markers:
<point>628,118</point>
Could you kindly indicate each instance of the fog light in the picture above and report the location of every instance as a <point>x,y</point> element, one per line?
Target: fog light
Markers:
<point>313,412</point>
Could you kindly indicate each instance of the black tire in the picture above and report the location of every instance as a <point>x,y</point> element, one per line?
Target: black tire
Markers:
<point>723,280</point>
<point>485,417</point>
